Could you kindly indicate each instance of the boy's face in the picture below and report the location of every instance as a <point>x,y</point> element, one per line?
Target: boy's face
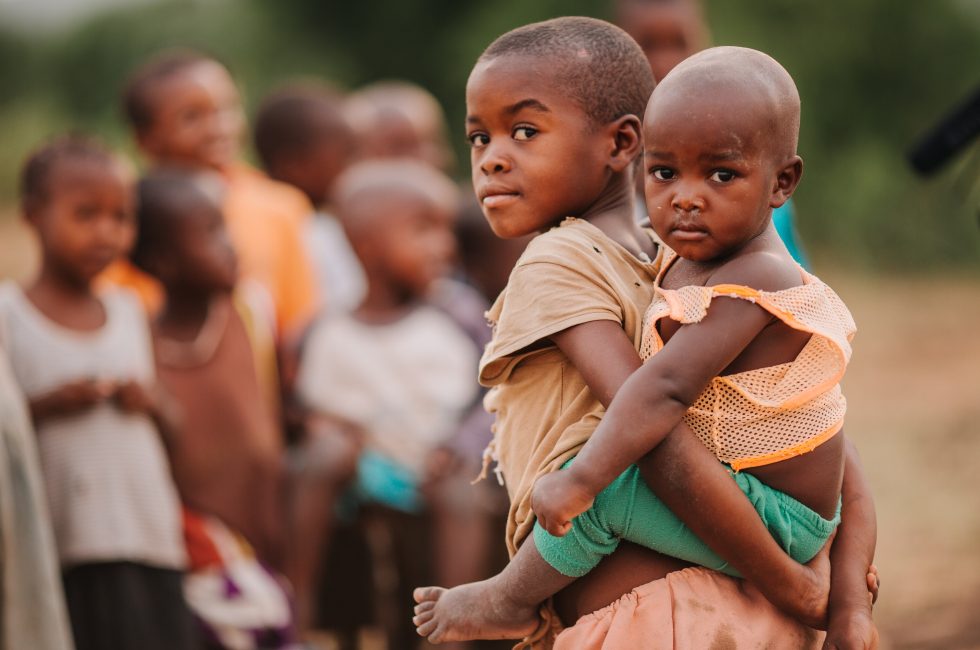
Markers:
<point>314,170</point>
<point>201,256</point>
<point>667,33</point>
<point>197,119</point>
<point>536,156</point>
<point>87,220</point>
<point>711,174</point>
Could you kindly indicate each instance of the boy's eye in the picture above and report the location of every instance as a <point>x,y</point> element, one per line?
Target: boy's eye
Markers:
<point>662,173</point>
<point>478,139</point>
<point>524,133</point>
<point>723,176</point>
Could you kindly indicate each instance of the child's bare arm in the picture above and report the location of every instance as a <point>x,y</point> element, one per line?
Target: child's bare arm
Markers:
<point>849,621</point>
<point>693,484</point>
<point>655,398</point>
<point>69,399</point>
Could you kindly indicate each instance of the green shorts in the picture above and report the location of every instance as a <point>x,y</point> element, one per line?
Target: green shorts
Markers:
<point>628,509</point>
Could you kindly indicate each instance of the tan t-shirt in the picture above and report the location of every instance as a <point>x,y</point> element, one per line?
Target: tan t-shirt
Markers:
<point>545,412</point>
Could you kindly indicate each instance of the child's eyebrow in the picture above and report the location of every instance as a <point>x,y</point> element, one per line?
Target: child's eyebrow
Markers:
<point>722,156</point>
<point>664,155</point>
<point>529,103</point>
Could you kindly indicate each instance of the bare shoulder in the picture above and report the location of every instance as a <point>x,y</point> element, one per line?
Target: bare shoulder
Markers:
<point>762,270</point>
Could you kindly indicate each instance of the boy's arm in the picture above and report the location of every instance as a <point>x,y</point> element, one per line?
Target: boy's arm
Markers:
<point>849,620</point>
<point>694,485</point>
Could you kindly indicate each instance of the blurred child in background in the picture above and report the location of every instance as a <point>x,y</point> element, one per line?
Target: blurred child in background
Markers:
<point>398,374</point>
<point>227,457</point>
<point>303,138</point>
<point>185,112</point>
<point>85,362</point>
<point>399,119</point>
<point>669,31</point>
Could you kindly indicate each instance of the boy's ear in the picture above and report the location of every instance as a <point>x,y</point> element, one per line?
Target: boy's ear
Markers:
<point>626,140</point>
<point>787,178</point>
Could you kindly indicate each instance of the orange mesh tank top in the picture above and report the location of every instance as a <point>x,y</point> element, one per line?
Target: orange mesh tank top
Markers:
<point>762,416</point>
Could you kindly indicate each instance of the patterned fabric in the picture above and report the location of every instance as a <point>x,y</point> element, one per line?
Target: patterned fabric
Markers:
<point>769,414</point>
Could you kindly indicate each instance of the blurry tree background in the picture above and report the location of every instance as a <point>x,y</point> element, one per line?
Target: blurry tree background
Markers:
<point>873,74</point>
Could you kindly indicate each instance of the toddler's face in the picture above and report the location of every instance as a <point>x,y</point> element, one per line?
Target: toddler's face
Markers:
<point>87,220</point>
<point>536,156</point>
<point>198,119</point>
<point>710,174</point>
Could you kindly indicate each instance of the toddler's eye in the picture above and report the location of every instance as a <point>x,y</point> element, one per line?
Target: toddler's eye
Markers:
<point>723,176</point>
<point>524,133</point>
<point>478,139</point>
<point>662,173</point>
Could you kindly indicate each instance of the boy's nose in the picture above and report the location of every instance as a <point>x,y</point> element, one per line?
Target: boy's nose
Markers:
<point>494,163</point>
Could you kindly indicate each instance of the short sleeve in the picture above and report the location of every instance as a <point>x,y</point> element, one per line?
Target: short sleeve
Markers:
<point>560,282</point>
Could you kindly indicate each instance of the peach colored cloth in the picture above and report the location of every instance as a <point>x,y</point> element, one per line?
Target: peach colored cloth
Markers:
<point>691,609</point>
<point>765,415</point>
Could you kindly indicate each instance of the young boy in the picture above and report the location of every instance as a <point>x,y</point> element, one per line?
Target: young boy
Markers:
<point>577,287</point>
<point>669,31</point>
<point>185,112</point>
<point>302,137</point>
<point>228,454</point>
<point>396,371</point>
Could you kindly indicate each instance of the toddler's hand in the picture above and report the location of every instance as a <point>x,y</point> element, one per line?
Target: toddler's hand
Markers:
<point>557,499</point>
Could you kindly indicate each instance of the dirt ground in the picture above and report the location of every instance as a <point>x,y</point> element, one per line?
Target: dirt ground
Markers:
<point>913,390</point>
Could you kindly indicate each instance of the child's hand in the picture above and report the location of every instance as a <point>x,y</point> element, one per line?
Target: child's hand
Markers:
<point>557,499</point>
<point>71,398</point>
<point>133,397</point>
<point>855,631</point>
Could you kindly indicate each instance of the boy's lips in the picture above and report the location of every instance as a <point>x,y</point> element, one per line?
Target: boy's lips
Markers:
<point>496,196</point>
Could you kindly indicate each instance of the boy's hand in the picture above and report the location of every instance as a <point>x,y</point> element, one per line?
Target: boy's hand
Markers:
<point>855,631</point>
<point>133,397</point>
<point>558,498</point>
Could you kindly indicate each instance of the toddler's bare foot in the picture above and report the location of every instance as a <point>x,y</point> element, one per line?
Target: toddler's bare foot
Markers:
<point>468,612</point>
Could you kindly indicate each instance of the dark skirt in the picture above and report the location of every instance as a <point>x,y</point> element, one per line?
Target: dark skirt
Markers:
<point>126,606</point>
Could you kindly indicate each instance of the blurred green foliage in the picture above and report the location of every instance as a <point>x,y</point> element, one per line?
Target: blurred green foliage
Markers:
<point>873,75</point>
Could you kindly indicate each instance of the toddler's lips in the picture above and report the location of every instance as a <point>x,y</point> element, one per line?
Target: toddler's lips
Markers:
<point>688,233</point>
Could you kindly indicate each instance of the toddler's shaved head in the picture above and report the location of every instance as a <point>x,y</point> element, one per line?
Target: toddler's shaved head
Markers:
<point>740,78</point>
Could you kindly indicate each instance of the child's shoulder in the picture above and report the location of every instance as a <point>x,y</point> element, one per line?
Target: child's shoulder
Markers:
<point>571,241</point>
<point>760,270</point>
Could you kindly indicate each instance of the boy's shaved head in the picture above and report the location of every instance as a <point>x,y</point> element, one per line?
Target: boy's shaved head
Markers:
<point>738,77</point>
<point>597,63</point>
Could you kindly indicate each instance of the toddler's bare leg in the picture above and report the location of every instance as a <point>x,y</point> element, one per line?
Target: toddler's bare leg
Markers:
<point>502,607</point>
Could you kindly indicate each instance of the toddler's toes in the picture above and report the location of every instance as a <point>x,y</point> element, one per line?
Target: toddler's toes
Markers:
<point>423,594</point>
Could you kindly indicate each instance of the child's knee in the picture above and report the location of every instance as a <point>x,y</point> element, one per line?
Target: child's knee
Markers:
<point>327,459</point>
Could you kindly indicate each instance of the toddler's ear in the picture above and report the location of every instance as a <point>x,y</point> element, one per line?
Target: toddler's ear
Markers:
<point>787,178</point>
<point>626,139</point>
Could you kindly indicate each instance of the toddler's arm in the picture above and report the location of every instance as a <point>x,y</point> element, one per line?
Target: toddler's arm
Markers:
<point>693,484</point>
